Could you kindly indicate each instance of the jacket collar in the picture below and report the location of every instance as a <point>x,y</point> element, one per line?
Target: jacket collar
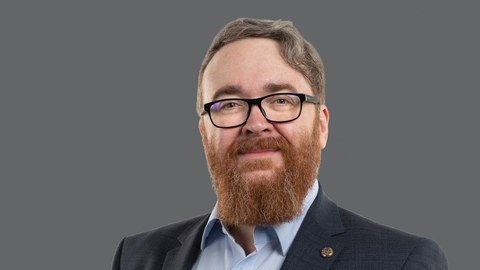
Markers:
<point>184,256</point>
<point>316,234</point>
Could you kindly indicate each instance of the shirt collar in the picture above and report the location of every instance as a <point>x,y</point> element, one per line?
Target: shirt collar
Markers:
<point>286,231</point>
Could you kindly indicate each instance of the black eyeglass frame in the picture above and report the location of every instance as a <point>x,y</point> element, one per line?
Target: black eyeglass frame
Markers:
<point>258,102</point>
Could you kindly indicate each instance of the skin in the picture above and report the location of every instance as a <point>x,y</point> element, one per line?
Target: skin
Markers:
<point>252,68</point>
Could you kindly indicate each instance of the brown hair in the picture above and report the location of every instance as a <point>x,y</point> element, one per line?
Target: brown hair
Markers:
<point>296,51</point>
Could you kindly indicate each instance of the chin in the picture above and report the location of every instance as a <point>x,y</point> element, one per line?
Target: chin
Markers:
<point>259,174</point>
<point>260,177</point>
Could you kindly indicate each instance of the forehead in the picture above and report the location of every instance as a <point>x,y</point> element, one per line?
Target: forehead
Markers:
<point>248,68</point>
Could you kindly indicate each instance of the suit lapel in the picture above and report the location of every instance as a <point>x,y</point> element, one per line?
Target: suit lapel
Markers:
<point>185,255</point>
<point>315,234</point>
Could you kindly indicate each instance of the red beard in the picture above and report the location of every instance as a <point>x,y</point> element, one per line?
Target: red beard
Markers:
<point>268,199</point>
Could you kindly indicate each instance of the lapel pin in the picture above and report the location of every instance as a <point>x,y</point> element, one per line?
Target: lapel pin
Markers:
<point>327,252</point>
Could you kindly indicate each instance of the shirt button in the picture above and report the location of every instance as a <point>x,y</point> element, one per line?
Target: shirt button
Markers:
<point>327,252</point>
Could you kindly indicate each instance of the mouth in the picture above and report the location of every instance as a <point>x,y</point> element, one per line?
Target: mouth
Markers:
<point>259,153</point>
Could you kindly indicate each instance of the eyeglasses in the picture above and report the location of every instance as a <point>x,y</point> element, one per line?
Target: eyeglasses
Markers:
<point>278,108</point>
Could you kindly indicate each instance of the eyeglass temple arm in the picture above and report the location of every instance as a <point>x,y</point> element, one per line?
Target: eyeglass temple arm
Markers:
<point>312,99</point>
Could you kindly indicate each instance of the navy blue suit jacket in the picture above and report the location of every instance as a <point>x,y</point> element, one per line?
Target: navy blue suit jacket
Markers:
<point>357,244</point>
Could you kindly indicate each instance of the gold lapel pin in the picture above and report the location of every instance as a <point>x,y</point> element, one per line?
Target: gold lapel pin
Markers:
<point>327,252</point>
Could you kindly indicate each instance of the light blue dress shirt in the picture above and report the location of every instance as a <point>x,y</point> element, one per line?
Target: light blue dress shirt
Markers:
<point>220,251</point>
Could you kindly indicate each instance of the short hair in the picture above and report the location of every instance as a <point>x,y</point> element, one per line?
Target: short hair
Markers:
<point>295,50</point>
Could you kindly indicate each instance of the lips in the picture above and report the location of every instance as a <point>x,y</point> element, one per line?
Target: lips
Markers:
<point>256,151</point>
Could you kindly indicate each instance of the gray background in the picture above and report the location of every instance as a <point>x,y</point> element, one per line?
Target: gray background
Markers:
<point>99,133</point>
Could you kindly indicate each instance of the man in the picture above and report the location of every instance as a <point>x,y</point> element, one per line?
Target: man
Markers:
<point>263,123</point>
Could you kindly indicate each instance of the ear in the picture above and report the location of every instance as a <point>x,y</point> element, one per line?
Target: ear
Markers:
<point>201,129</point>
<point>324,118</point>
<point>201,126</point>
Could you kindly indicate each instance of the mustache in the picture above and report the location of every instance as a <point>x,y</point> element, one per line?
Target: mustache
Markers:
<point>257,144</point>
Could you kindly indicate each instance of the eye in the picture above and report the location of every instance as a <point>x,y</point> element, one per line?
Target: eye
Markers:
<point>281,101</point>
<point>229,105</point>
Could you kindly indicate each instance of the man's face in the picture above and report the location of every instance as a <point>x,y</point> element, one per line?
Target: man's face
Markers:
<point>252,68</point>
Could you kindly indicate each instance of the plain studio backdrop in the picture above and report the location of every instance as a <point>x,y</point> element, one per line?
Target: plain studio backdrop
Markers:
<point>99,135</point>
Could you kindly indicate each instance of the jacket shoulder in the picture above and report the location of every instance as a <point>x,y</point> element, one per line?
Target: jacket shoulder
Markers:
<point>361,228</point>
<point>150,248</point>
<point>164,236</point>
<point>374,241</point>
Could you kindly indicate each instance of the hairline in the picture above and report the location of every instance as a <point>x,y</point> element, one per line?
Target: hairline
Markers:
<point>309,50</point>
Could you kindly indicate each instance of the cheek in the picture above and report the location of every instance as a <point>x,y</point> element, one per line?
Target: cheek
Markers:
<point>226,137</point>
<point>292,131</point>
<point>221,139</point>
<point>286,130</point>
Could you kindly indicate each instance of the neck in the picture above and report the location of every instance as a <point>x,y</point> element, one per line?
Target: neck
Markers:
<point>243,235</point>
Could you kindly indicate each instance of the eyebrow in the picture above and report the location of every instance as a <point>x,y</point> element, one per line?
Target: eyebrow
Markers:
<point>275,87</point>
<point>227,90</point>
<point>236,90</point>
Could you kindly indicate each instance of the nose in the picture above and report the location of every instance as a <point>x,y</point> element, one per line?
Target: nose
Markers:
<point>257,123</point>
